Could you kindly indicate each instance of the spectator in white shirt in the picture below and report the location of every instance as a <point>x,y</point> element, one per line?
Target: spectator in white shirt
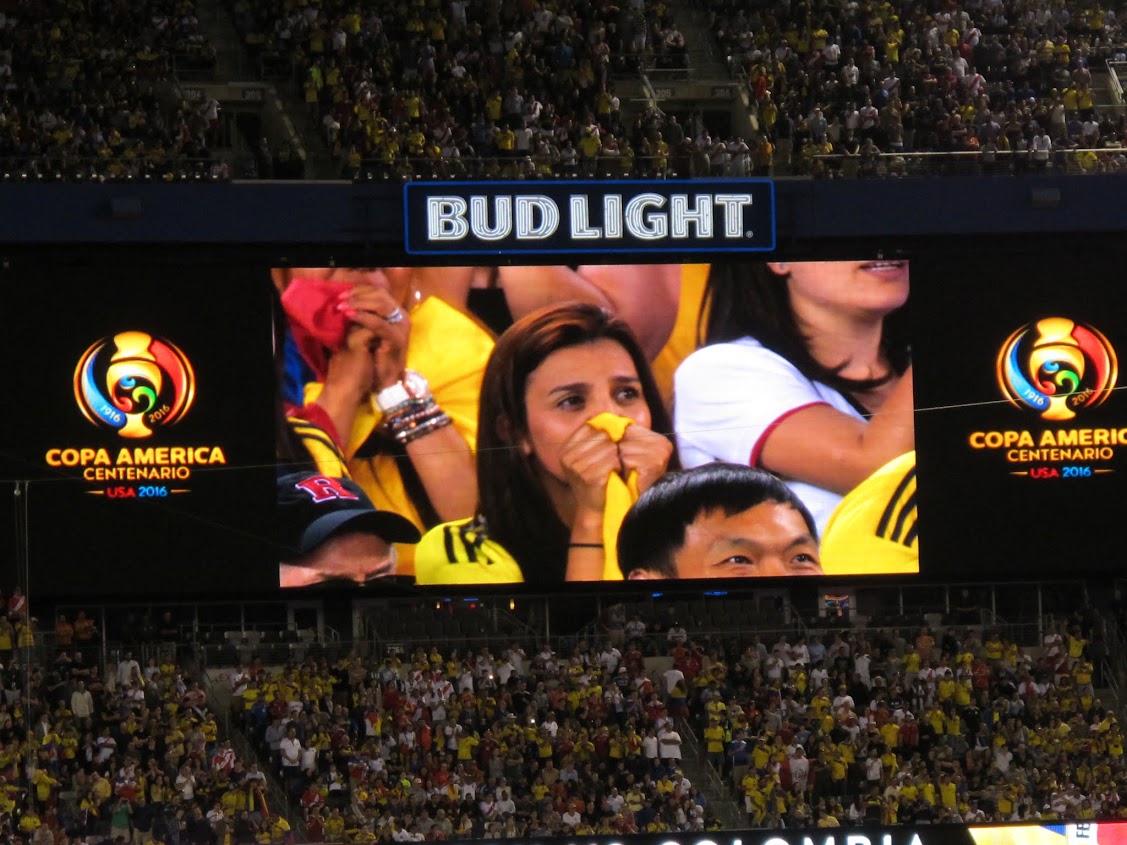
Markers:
<point>571,817</point>
<point>609,658</point>
<point>677,635</point>
<point>800,770</point>
<point>1040,149</point>
<point>128,670</point>
<point>799,654</point>
<point>861,666</point>
<point>669,743</point>
<point>82,704</point>
<point>843,699</point>
<point>671,677</point>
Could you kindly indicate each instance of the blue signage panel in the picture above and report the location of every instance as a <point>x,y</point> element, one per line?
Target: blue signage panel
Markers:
<point>497,218</point>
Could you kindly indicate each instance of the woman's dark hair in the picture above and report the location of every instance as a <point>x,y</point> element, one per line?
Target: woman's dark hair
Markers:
<point>750,300</point>
<point>516,508</point>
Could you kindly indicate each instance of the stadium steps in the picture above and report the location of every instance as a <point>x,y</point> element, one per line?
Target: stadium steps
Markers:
<point>319,162</point>
<point>1109,697</point>
<point>1101,87</point>
<point>704,55</point>
<point>233,64</point>
<point>694,766</point>
<point>230,59</point>
<point>219,702</point>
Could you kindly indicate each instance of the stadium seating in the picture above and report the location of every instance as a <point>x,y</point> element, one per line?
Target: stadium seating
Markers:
<point>85,91</point>
<point>458,90</point>
<point>835,90</point>
<point>900,724</point>
<point>445,93</point>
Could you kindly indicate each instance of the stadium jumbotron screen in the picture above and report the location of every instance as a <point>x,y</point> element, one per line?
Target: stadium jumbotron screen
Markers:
<point>258,427</point>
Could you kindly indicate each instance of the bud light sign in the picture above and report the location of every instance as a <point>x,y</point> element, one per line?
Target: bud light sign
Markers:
<point>492,218</point>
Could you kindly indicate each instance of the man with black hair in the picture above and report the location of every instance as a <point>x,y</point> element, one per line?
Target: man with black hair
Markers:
<point>718,521</point>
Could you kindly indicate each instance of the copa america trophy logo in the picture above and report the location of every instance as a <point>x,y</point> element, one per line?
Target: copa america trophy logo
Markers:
<point>1057,366</point>
<point>134,383</point>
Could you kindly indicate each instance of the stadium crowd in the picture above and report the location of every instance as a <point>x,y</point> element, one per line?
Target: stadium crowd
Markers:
<point>466,88</point>
<point>896,729</point>
<point>115,752</point>
<point>527,91</point>
<point>475,746</point>
<point>881,728</point>
<point>835,85</point>
<point>84,90</point>
<point>457,89</point>
<point>862,726</point>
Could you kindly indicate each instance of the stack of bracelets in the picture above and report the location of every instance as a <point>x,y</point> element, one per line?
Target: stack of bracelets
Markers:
<point>415,418</point>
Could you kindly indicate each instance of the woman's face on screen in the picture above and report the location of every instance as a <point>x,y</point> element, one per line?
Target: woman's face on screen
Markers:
<point>571,386</point>
<point>871,287</point>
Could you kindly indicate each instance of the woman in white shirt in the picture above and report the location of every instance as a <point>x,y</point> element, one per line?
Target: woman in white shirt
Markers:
<point>806,373</point>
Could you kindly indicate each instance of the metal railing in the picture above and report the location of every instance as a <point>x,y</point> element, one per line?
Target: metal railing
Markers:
<point>664,74</point>
<point>727,812</point>
<point>193,67</point>
<point>1100,160</point>
<point>529,166</point>
<point>1115,83</point>
<point>1113,668</point>
<point>51,167</point>
<point>220,703</point>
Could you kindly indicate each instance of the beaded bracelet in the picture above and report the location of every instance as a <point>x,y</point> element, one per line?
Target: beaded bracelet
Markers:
<point>414,409</point>
<point>422,429</point>
<point>397,426</point>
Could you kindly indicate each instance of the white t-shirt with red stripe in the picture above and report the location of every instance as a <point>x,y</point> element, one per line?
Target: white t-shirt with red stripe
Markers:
<point>729,397</point>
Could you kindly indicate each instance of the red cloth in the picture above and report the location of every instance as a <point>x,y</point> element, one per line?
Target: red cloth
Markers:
<point>317,326</point>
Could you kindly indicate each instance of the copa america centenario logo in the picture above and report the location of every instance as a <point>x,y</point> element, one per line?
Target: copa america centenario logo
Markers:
<point>1057,366</point>
<point>134,383</point>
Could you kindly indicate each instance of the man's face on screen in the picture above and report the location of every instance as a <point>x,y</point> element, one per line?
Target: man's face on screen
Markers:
<point>769,540</point>
<point>354,556</point>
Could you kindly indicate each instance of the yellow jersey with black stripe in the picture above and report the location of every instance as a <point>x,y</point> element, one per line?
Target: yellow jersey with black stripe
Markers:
<point>450,350</point>
<point>326,457</point>
<point>461,552</point>
<point>873,530</point>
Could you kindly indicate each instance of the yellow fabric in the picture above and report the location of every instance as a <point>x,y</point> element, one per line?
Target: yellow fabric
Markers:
<point>1023,835</point>
<point>450,350</point>
<point>684,338</point>
<point>872,531</point>
<point>621,495</point>
<point>326,456</point>
<point>459,553</point>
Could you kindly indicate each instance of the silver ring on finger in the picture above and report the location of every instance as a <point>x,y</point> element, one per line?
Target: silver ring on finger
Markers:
<point>395,316</point>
